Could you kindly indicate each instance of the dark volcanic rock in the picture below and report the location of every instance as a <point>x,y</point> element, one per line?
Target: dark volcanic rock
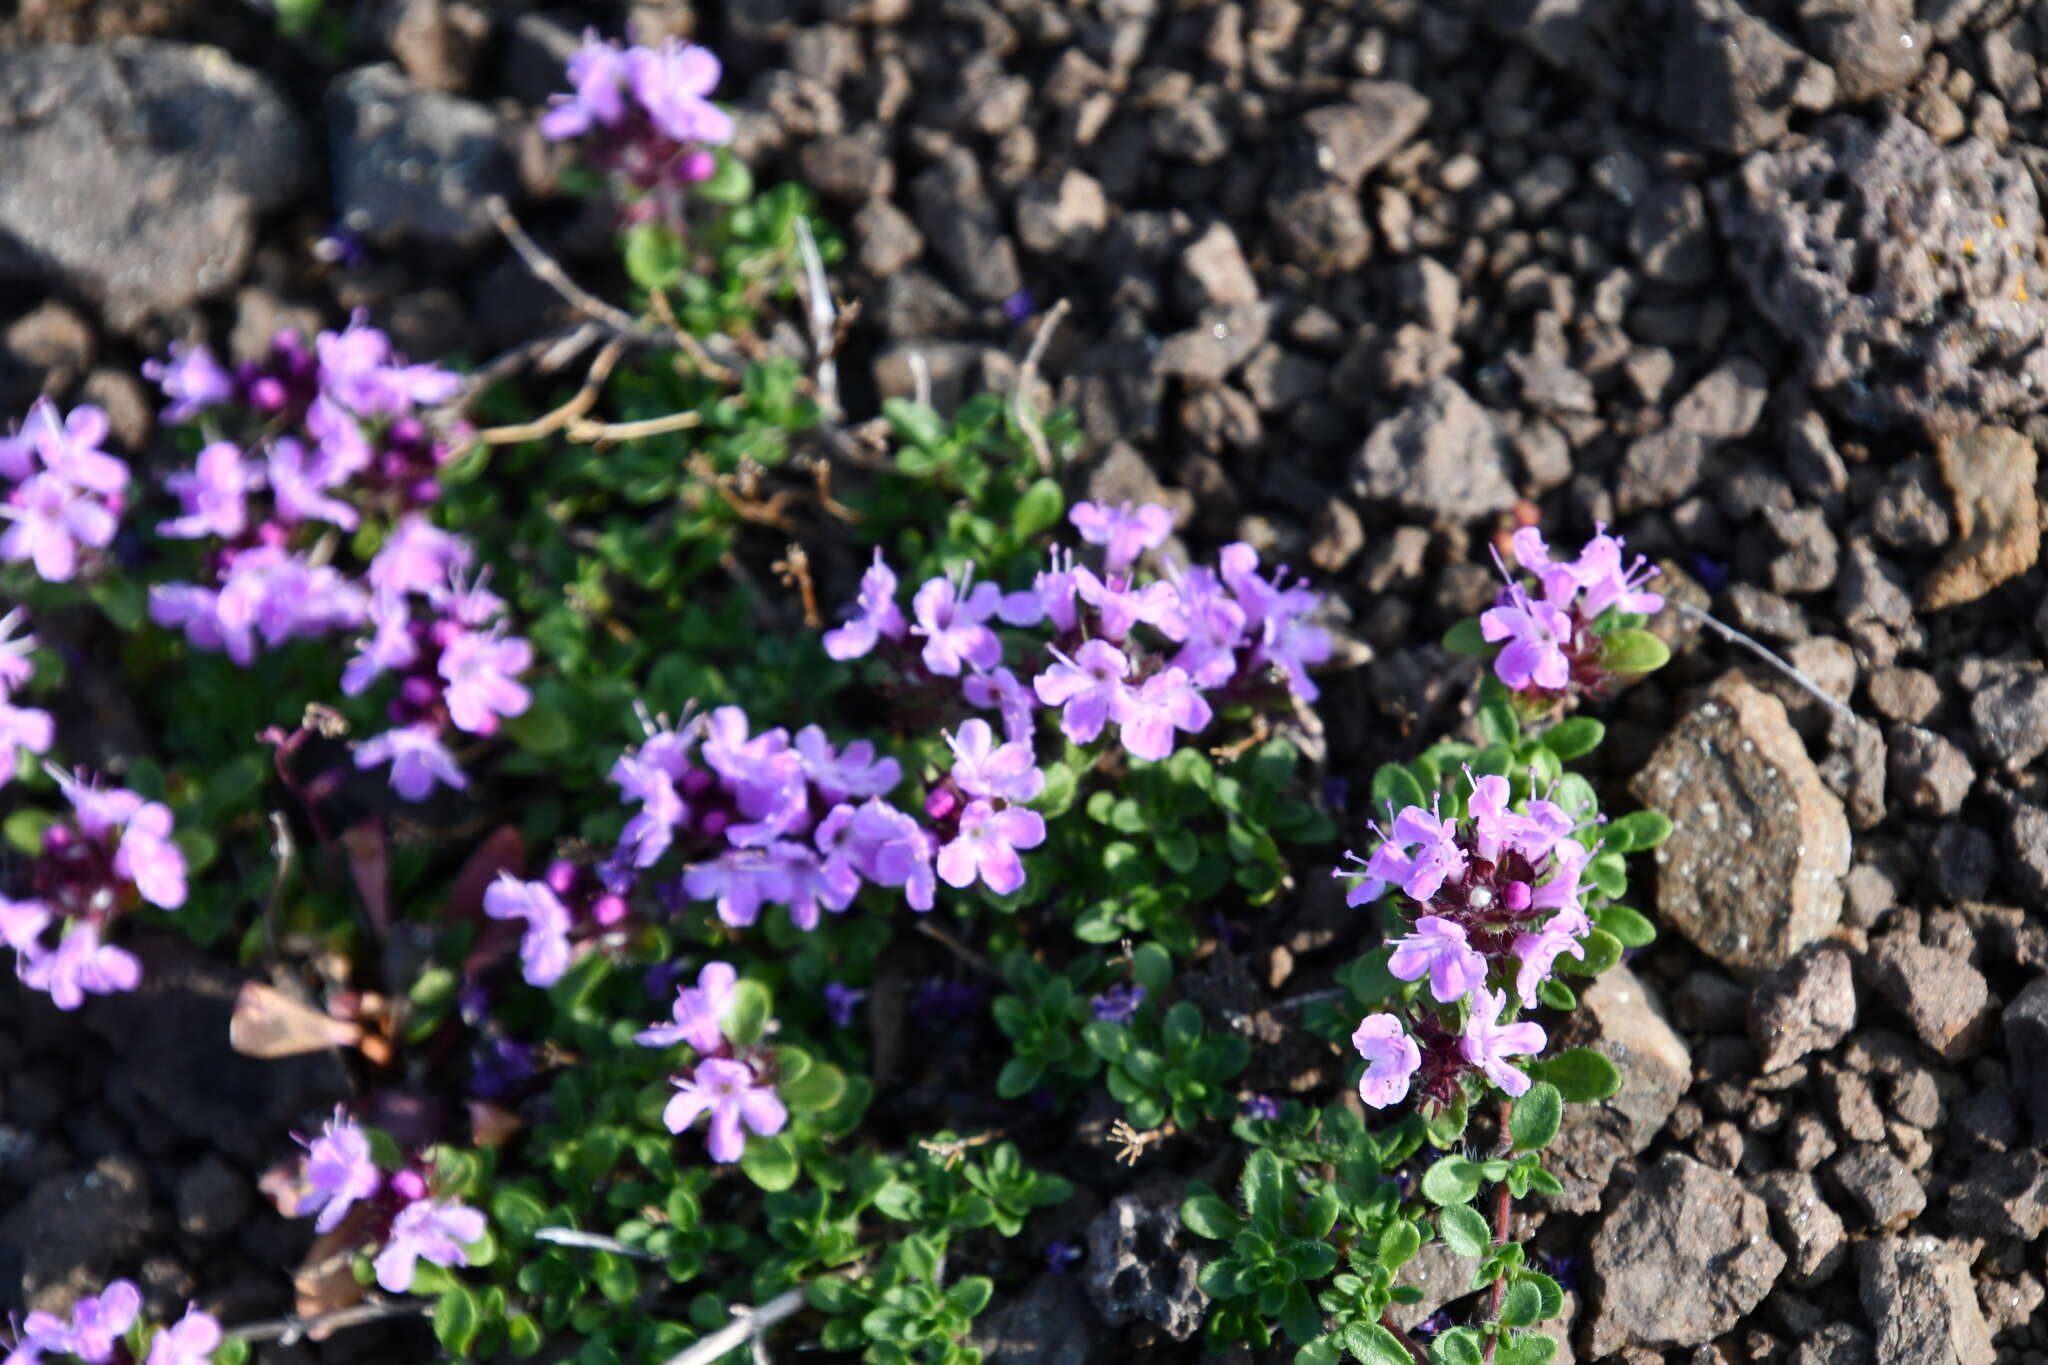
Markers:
<point>961,221</point>
<point>72,1228</point>
<point>1679,1260</point>
<point>1810,1231</point>
<point>1354,138</point>
<point>1947,999</point>
<point>2004,1195</point>
<point>135,171</point>
<point>411,164</point>
<point>1440,457</point>
<point>2026,1035</point>
<point>1731,81</point>
<point>1142,1264</point>
<point>1879,1185</point>
<point>1050,1323</point>
<point>1618,1018</point>
<point>1916,1292</point>
<point>1807,1005</point>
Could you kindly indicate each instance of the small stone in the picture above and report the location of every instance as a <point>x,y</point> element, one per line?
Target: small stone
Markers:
<point>1708,1002</point>
<point>1216,264</point>
<point>1679,1259</point>
<point>1753,871</point>
<point>1726,403</point>
<point>1946,998</point>
<point>1618,1018</point>
<point>50,347</point>
<point>1873,45</point>
<point>851,168</point>
<point>1064,220</point>
<point>1851,1103</point>
<point>2010,716</point>
<point>1907,513</point>
<point>1808,1142</point>
<point>1731,81</point>
<point>1904,694</point>
<point>1428,292</point>
<point>414,165</point>
<point>963,225</point>
<point>1353,139</point>
<point>72,1228</point>
<point>1669,234</point>
<point>1321,228</point>
<point>1916,1292</point>
<point>1808,561</point>
<point>1761,612</point>
<point>1659,469</point>
<point>2026,1036</point>
<point>1441,1275</point>
<point>1050,1323</point>
<point>1280,380</point>
<point>1339,537</point>
<point>1142,1264</point>
<point>1879,1183</point>
<point>1989,473</point>
<point>1810,1231</point>
<point>213,1199</point>
<point>1219,342</point>
<point>1440,457</point>
<point>2004,1195</point>
<point>1929,775</point>
<point>889,241</point>
<point>1806,1006</point>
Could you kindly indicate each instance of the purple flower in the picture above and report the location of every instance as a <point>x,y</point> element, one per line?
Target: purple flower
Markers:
<point>699,1012</point>
<point>189,1341</point>
<point>15,665</point>
<point>391,645</point>
<point>418,760</point>
<point>1537,632</point>
<point>214,495</point>
<point>1561,893</point>
<point>939,1002</point>
<point>1487,1045</point>
<point>417,558</point>
<point>1420,874</point>
<point>79,964</point>
<point>950,614</point>
<point>1496,829</point>
<point>1119,1004</point>
<point>981,767</point>
<point>51,519</point>
<point>1598,573</point>
<point>671,83</point>
<point>97,1323</point>
<point>1089,688</point>
<point>22,923</point>
<point>427,1231</point>
<point>896,851</point>
<point>999,689</point>
<point>544,950</point>
<point>191,378</point>
<point>1120,607</point>
<point>1290,644</point>
<point>877,617</point>
<point>1060,1255</point>
<point>479,669</point>
<point>70,448</point>
<point>840,1002</point>
<point>1055,589</point>
<point>1391,1057</point>
<point>597,70</point>
<point>652,829</point>
<point>739,882</point>
<point>299,484</point>
<point>1438,950</point>
<point>340,1172</point>
<point>279,596</point>
<point>727,1090</point>
<point>359,370</point>
<point>1208,625</point>
<point>1538,954</point>
<point>147,857</point>
<point>1261,1107</point>
<point>811,884</point>
<point>1123,532</point>
<point>1150,714</point>
<point>987,844</point>
<point>22,727</point>
<point>853,772</point>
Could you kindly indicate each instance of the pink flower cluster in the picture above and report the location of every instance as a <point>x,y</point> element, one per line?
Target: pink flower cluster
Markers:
<point>733,1086</point>
<point>645,117</point>
<point>1550,641</point>
<point>97,1324</point>
<point>1104,648</point>
<point>356,443</point>
<point>1495,895</point>
<point>115,852</point>
<point>67,494</point>
<point>23,729</point>
<point>340,1174</point>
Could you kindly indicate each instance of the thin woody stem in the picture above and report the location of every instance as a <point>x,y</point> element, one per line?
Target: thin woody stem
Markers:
<point>1503,1212</point>
<point>1414,1347</point>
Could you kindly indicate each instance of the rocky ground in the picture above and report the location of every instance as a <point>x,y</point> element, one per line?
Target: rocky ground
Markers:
<point>1759,282</point>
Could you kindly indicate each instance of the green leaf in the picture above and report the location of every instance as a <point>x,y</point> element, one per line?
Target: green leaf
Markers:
<point>1018,1077</point>
<point>1463,1229</point>
<point>1609,873</point>
<point>1600,952</point>
<point>523,1336</point>
<point>1375,1345</point>
<point>25,829</point>
<point>1152,968</point>
<point>1262,1189</point>
<point>914,422</point>
<point>770,1162</point>
<point>1399,1243</point>
<point>1574,738</point>
<point>1498,725</point>
<point>1466,638</point>
<point>1536,1117</point>
<point>730,183</point>
<point>618,1279</point>
<point>1038,511</point>
<point>456,1319</point>
<point>1207,1216</point>
<point>1178,848</point>
<point>1445,1128</point>
<point>1581,1075</point>
<point>1526,1348</point>
<point>540,730</point>
<point>1557,995</point>
<point>1394,784</point>
<point>1636,831</point>
<point>1183,1025</point>
<point>1627,925</point>
<point>1521,1305</point>
<point>1451,1180</point>
<point>747,1016</point>
<point>818,1089</point>
<point>970,1295</point>
<point>1459,1346</point>
<point>654,256</point>
<point>1633,651</point>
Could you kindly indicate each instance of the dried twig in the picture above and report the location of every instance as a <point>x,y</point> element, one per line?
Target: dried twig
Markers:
<point>282,850</point>
<point>688,343</point>
<point>584,430</point>
<point>957,948</point>
<point>920,378</point>
<point>1131,1143</point>
<point>549,272</point>
<point>290,1328</point>
<point>548,423</point>
<point>794,569</point>
<point>766,512</point>
<point>1021,406</point>
<point>1735,636</point>
<point>824,327</point>
<point>546,353</point>
<point>593,1241</point>
<point>950,1151</point>
<point>748,1324</point>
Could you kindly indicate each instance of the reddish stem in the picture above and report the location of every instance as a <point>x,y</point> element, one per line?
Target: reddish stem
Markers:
<point>1502,1211</point>
<point>1414,1348</point>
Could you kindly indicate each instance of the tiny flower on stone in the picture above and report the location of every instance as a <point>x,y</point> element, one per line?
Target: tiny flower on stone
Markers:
<point>426,1231</point>
<point>340,1172</point>
<point>1391,1058</point>
<point>1060,1255</point>
<point>1438,949</point>
<point>1487,1044</point>
<point>728,1091</point>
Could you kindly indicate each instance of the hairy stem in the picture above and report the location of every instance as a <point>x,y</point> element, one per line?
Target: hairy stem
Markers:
<point>1414,1347</point>
<point>1503,1212</point>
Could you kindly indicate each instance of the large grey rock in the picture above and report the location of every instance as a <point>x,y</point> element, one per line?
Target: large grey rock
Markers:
<point>133,172</point>
<point>1439,457</point>
<point>1753,869</point>
<point>1916,1292</point>
<point>412,164</point>
<point>1142,1264</point>
<point>74,1227</point>
<point>1901,268</point>
<point>1731,81</point>
<point>1679,1260</point>
<point>1050,1323</point>
<point>1618,1018</point>
<point>1873,45</point>
<point>963,224</point>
